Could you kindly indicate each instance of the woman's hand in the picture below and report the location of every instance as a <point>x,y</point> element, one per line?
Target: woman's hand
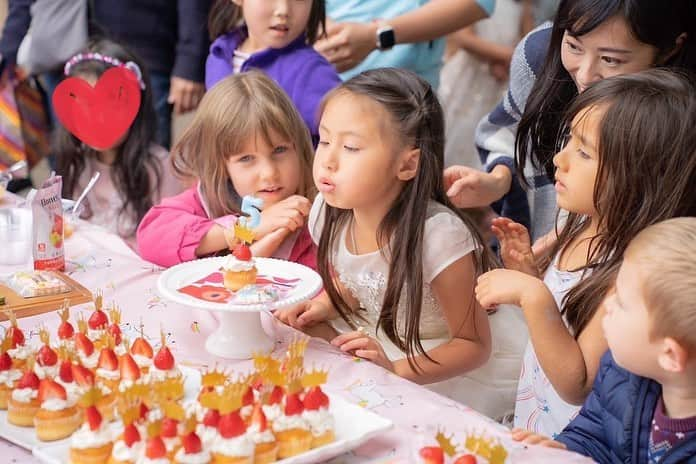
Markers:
<point>347,44</point>
<point>503,286</point>
<point>290,214</point>
<point>472,188</point>
<point>531,438</point>
<point>306,314</point>
<point>363,346</point>
<point>515,246</point>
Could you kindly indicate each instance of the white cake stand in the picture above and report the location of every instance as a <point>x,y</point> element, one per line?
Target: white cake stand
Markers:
<point>240,333</point>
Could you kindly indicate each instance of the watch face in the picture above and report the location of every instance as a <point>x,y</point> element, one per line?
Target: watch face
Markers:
<point>386,38</point>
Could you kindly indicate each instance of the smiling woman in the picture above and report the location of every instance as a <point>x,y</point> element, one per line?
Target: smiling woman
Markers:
<point>588,41</point>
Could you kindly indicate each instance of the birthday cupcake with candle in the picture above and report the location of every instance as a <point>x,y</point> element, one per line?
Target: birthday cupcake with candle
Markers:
<point>239,269</point>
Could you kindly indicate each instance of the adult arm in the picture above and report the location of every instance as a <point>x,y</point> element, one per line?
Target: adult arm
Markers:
<point>16,27</point>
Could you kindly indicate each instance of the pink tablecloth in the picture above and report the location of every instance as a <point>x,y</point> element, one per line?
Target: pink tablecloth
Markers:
<point>100,260</point>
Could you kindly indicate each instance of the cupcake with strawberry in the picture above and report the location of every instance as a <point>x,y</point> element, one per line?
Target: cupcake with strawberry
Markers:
<point>291,429</point>
<point>239,269</point>
<point>129,371</point>
<point>173,416</point>
<point>155,449</point>
<point>191,450</point>
<point>233,446</point>
<point>58,416</point>
<point>84,347</point>
<point>163,365</point>
<point>265,444</point>
<point>93,442</point>
<point>46,366</point>
<point>66,331</point>
<point>129,445</point>
<point>108,372</point>
<point>9,376</point>
<point>316,409</point>
<point>24,402</point>
<point>18,349</point>
<point>114,329</point>
<point>98,321</point>
<point>142,352</point>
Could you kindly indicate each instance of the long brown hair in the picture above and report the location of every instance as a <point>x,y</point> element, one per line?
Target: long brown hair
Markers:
<point>225,16</point>
<point>650,22</point>
<point>646,173</point>
<point>237,108</point>
<point>417,116</point>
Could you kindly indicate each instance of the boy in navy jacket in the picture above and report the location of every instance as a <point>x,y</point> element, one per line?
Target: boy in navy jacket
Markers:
<point>642,408</point>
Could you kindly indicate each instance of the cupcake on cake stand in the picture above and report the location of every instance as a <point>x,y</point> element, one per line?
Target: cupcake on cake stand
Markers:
<point>239,288</point>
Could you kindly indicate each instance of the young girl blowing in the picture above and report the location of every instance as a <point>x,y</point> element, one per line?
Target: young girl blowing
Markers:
<point>246,139</point>
<point>627,163</point>
<point>135,173</point>
<point>404,260</point>
<point>275,36</point>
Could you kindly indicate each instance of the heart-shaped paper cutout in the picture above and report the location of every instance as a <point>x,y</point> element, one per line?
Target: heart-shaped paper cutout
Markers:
<point>101,115</point>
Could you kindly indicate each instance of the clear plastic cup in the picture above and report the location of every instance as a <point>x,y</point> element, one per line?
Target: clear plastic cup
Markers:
<point>15,235</point>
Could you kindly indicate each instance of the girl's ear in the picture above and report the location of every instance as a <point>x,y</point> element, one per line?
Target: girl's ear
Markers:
<point>408,164</point>
<point>673,356</point>
<point>678,44</point>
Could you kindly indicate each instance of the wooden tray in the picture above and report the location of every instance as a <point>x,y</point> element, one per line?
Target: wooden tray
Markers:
<point>24,307</point>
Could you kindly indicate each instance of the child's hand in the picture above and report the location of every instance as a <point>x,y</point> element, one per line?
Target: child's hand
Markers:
<point>306,314</point>
<point>515,246</point>
<point>503,286</point>
<point>363,346</point>
<point>270,243</point>
<point>290,213</point>
<point>532,438</point>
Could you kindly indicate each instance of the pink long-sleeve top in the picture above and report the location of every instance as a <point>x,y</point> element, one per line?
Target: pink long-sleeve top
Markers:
<point>171,231</point>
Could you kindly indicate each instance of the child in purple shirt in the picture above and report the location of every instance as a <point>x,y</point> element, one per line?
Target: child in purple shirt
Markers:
<point>276,38</point>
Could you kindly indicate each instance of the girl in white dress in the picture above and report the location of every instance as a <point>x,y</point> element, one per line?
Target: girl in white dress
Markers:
<point>399,262</point>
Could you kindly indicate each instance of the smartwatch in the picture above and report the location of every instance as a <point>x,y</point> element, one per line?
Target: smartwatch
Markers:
<point>385,37</point>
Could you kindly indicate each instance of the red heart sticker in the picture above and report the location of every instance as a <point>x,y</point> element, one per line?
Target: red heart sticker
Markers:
<point>101,115</point>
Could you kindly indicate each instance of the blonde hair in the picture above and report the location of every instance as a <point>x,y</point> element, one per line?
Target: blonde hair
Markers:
<point>666,254</point>
<point>237,108</point>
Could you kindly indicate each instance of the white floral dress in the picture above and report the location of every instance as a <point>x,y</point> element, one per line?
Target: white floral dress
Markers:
<point>489,389</point>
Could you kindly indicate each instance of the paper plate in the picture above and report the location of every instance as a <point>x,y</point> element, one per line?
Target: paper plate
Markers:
<point>199,284</point>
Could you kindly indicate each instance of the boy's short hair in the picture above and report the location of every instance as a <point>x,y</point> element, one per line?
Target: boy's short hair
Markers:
<point>666,253</point>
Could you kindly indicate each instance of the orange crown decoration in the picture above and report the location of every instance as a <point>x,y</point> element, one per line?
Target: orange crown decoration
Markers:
<point>115,314</point>
<point>129,411</point>
<point>214,377</point>
<point>243,233</point>
<point>265,362</point>
<point>29,366</point>
<point>488,448</point>
<point>44,336</point>
<point>173,410</point>
<point>274,377</point>
<point>90,398</point>
<point>6,344</point>
<point>314,378</point>
<point>153,428</point>
<point>171,387</point>
<point>81,324</point>
<point>297,347</point>
<point>231,397</point>
<point>105,341</point>
<point>64,312</point>
<point>294,381</point>
<point>445,442</point>
<point>190,422</point>
<point>65,353</point>
<point>135,393</point>
<point>210,400</point>
<point>98,300</point>
<point>11,316</point>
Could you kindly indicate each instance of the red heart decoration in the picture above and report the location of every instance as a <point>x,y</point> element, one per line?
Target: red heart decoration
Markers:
<point>101,115</point>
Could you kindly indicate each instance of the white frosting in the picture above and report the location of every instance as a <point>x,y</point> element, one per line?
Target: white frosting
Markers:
<point>154,415</point>
<point>272,411</point>
<point>146,460</point>
<point>120,350</point>
<point>142,361</point>
<point>237,265</point>
<point>290,422</point>
<point>72,389</point>
<point>56,404</point>
<point>90,362</point>
<point>68,343</point>
<point>121,451</point>
<point>245,411</point>
<point>208,435</point>
<point>21,352</point>
<point>10,376</point>
<point>320,421</point>
<point>46,372</point>
<point>127,383</point>
<point>237,446</point>
<point>260,437</point>
<point>24,395</point>
<point>86,438</point>
<point>170,442</point>
<point>202,457</point>
<point>95,334</point>
<point>158,374</point>
<point>107,374</point>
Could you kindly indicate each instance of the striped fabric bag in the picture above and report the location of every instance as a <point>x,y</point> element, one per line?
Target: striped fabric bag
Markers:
<point>24,123</point>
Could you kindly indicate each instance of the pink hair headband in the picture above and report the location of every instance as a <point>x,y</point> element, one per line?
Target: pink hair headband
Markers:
<point>80,57</point>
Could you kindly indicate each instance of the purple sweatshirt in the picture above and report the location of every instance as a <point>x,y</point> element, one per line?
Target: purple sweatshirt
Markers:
<point>299,70</point>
